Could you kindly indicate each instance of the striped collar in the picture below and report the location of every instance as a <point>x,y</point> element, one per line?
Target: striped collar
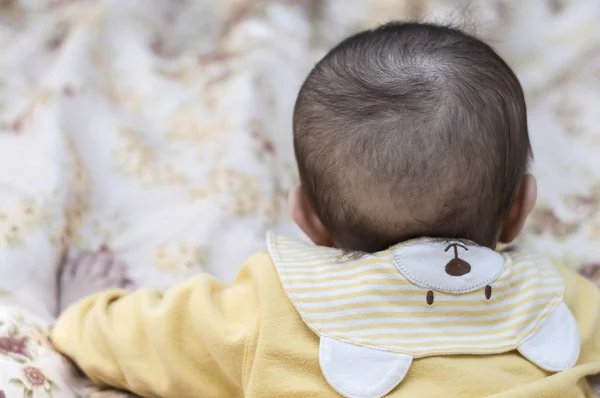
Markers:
<point>402,300</point>
<point>421,298</point>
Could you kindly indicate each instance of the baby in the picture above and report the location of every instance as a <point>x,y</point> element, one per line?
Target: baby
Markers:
<point>412,147</point>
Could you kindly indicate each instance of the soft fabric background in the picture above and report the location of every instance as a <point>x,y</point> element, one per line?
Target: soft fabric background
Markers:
<point>163,129</point>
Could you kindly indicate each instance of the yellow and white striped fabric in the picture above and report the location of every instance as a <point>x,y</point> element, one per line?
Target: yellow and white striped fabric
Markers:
<point>367,301</point>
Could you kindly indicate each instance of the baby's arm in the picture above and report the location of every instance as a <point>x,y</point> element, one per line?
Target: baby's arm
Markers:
<point>188,342</point>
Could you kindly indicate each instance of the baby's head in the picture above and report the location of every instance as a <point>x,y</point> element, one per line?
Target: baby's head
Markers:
<point>411,130</point>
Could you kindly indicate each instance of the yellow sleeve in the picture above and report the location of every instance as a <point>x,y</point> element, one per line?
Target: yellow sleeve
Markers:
<point>187,342</point>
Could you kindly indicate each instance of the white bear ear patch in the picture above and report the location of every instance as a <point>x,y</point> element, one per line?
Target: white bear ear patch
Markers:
<point>555,345</point>
<point>449,266</point>
<point>361,372</point>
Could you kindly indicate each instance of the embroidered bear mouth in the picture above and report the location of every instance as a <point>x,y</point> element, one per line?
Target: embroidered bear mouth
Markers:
<point>457,266</point>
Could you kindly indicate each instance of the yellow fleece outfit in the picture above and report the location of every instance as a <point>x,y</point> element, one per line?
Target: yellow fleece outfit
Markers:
<point>204,338</point>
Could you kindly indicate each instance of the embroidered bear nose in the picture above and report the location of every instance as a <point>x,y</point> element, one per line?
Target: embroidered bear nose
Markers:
<point>457,267</point>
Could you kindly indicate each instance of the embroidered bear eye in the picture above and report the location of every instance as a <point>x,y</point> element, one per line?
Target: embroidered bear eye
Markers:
<point>429,297</point>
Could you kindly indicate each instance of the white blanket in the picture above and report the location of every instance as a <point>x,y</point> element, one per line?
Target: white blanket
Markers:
<point>163,129</point>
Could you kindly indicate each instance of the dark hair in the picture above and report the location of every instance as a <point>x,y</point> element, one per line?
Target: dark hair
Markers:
<point>411,130</point>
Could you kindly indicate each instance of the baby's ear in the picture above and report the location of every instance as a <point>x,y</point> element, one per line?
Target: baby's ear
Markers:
<point>520,210</point>
<point>305,217</point>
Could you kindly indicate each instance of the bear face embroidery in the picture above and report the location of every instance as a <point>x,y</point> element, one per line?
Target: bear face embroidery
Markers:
<point>456,267</point>
<point>450,267</point>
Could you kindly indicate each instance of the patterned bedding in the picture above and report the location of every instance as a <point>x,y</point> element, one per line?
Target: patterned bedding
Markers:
<point>164,131</point>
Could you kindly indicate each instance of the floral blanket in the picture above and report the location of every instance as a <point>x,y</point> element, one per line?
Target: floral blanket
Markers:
<point>162,128</point>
